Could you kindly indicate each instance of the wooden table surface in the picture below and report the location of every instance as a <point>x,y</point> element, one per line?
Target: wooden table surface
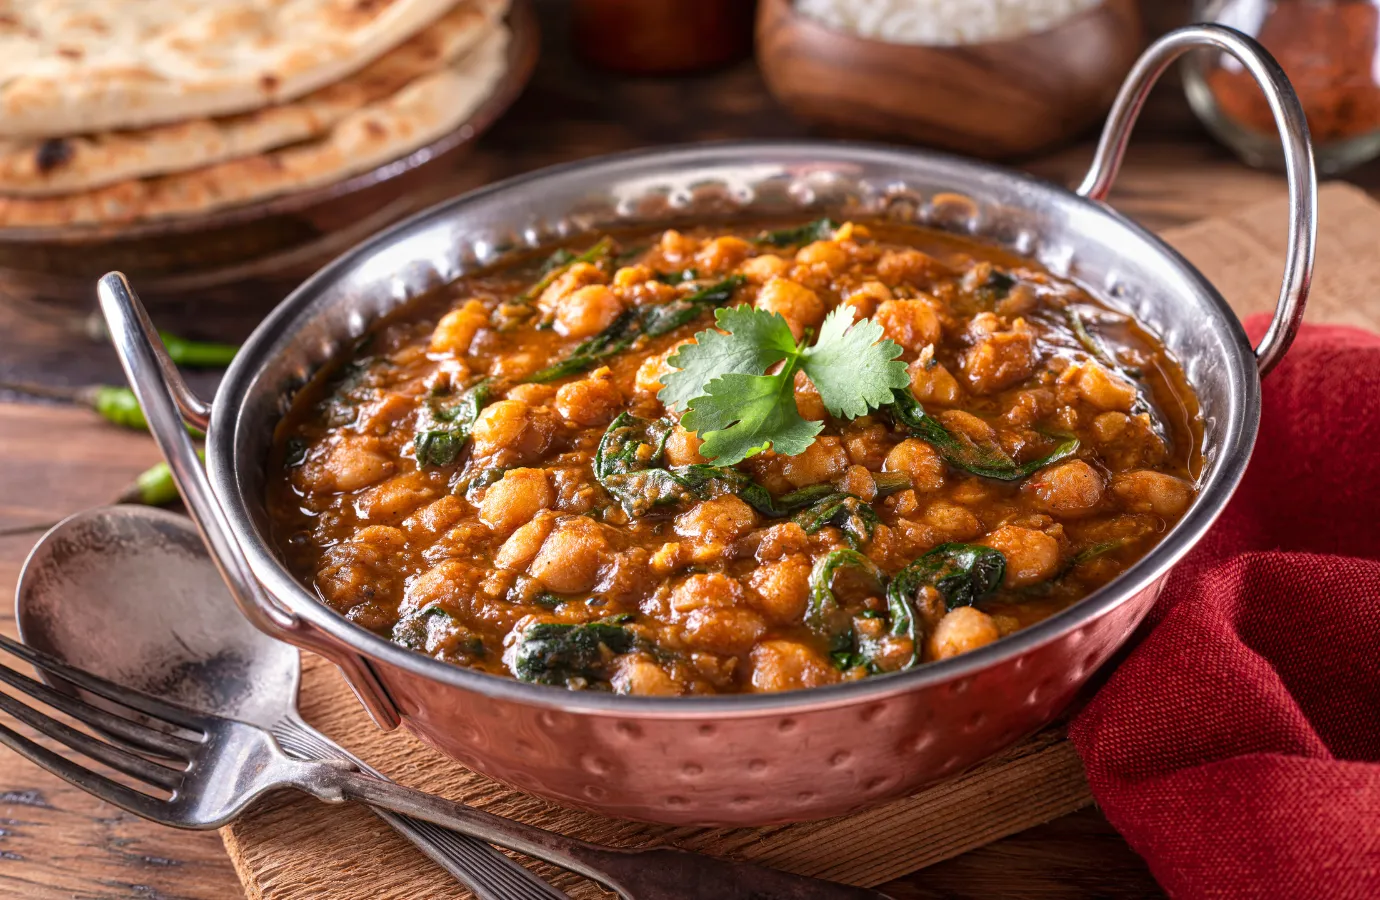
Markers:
<point>56,842</point>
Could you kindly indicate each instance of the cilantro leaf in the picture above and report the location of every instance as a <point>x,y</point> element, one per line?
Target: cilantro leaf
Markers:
<point>740,415</point>
<point>853,366</point>
<point>754,342</point>
<point>738,410</point>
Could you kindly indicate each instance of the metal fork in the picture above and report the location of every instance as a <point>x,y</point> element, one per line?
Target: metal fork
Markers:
<point>212,768</point>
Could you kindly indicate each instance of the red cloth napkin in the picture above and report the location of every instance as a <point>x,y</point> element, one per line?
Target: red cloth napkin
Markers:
<point>1238,747</point>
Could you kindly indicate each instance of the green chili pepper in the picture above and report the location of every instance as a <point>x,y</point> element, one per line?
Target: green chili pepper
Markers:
<point>197,354</point>
<point>154,486</point>
<point>116,405</point>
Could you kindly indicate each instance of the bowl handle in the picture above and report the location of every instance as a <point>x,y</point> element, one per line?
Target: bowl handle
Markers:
<point>167,402</point>
<point>1298,159</point>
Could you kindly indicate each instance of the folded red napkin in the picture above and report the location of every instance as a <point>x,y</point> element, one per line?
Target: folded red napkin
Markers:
<point>1238,746</point>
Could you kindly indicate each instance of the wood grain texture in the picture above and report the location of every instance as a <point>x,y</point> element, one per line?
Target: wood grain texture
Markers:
<point>996,100</point>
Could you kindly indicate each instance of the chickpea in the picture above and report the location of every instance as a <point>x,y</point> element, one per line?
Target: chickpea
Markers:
<point>1021,300</point>
<point>918,460</point>
<point>579,275</point>
<point>1068,490</point>
<point>449,584</point>
<point>865,298</point>
<point>1099,387</point>
<point>1109,426</point>
<point>913,324</point>
<point>351,462</point>
<point>828,254</point>
<point>1145,491</point>
<point>587,311</point>
<point>711,590</point>
<point>782,588</point>
<point>515,499</point>
<point>780,540</point>
<point>514,426</point>
<point>513,366</point>
<point>824,460</point>
<point>1031,556</point>
<point>1029,407</point>
<point>726,631</point>
<point>654,368</point>
<point>438,517</point>
<point>718,520</point>
<point>637,674</point>
<point>676,246</point>
<point>722,254</point>
<point>998,359</point>
<point>952,522</point>
<point>383,415</point>
<point>531,394</point>
<point>632,276</point>
<point>683,448</point>
<point>810,405</point>
<point>781,665</point>
<point>960,631</point>
<point>909,267</point>
<point>395,498</point>
<point>667,558</point>
<point>931,382</point>
<point>797,304</point>
<point>570,557</point>
<point>522,545</point>
<point>965,423</point>
<point>458,327</point>
<point>858,481</point>
<point>590,401</point>
<point>761,269</point>
<point>867,442</point>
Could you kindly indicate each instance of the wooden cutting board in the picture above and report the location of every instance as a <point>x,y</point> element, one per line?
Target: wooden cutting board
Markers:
<point>290,848</point>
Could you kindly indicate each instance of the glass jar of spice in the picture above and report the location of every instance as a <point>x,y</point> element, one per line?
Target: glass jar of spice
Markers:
<point>1329,50</point>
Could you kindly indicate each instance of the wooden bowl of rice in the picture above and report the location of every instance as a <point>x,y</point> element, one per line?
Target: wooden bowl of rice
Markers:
<point>932,77</point>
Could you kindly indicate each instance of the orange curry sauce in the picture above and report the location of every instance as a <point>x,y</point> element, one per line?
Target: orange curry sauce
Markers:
<point>503,551</point>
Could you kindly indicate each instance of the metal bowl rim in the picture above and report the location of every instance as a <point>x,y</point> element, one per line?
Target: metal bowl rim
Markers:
<point>1237,442</point>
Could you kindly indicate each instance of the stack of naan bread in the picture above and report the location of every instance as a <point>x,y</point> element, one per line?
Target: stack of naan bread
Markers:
<point>128,110</point>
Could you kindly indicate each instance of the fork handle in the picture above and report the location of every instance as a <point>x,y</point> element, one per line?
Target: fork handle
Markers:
<point>491,875</point>
<point>334,783</point>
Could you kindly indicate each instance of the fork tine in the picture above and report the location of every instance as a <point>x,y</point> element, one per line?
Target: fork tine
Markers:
<point>84,779</point>
<point>151,706</point>
<point>118,759</point>
<point>131,734</point>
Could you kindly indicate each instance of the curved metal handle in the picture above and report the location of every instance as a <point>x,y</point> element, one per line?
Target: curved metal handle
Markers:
<point>165,397</point>
<point>1298,160</point>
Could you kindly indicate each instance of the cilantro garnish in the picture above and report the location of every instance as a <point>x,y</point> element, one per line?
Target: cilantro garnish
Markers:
<point>738,410</point>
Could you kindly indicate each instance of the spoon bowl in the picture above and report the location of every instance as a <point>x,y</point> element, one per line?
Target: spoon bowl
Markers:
<point>128,593</point>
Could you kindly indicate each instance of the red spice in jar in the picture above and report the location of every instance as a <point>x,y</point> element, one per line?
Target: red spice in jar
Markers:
<point>1328,50</point>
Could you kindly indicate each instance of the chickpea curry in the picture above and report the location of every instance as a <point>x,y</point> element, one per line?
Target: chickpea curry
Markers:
<point>733,460</point>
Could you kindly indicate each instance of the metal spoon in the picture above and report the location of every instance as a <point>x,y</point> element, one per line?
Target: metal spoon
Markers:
<point>129,593</point>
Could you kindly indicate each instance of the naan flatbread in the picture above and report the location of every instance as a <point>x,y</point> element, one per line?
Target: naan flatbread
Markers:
<point>44,167</point>
<point>81,66</point>
<point>377,133</point>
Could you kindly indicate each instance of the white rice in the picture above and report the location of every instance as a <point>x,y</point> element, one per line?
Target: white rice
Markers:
<point>942,22</point>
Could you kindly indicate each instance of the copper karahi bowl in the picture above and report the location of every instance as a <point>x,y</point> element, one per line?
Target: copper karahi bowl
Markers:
<point>740,759</point>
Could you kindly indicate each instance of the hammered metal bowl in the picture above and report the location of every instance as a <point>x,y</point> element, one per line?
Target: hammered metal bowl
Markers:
<point>743,759</point>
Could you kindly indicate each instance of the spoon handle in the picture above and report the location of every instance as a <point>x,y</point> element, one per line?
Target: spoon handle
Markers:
<point>490,874</point>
